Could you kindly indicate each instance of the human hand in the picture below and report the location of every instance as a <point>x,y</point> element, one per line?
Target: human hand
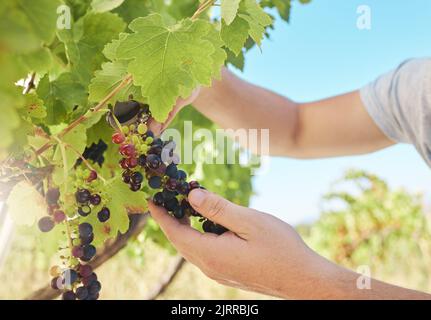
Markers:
<point>261,253</point>
<point>157,128</point>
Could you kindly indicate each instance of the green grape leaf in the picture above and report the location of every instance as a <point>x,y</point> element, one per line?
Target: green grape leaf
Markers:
<point>42,15</point>
<point>121,202</point>
<point>229,9</point>
<point>251,21</point>
<point>34,106</point>
<point>110,50</point>
<point>283,7</point>
<point>168,61</point>
<point>86,41</point>
<point>107,79</point>
<point>61,96</point>
<point>105,5</point>
<point>39,61</point>
<point>238,61</point>
<point>74,143</point>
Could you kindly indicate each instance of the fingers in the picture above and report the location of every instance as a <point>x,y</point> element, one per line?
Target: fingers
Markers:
<point>179,232</point>
<point>222,211</point>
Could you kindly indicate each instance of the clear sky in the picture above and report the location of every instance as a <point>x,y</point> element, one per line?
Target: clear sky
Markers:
<point>322,53</point>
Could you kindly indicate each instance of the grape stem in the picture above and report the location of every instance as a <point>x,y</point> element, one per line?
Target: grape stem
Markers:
<point>65,174</point>
<point>202,8</point>
<point>85,161</point>
<point>126,81</point>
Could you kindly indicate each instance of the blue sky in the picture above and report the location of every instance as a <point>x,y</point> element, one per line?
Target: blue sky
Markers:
<point>322,53</point>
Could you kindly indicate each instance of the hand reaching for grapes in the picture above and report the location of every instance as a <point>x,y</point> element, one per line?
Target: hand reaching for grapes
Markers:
<point>157,128</point>
<point>261,253</point>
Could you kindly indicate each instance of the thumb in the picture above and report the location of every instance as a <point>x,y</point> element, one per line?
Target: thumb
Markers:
<point>221,211</point>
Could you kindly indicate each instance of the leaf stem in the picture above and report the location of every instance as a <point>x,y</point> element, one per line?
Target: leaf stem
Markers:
<point>126,81</point>
<point>202,8</point>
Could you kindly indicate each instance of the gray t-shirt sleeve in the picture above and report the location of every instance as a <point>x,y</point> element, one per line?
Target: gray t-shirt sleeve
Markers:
<point>400,104</point>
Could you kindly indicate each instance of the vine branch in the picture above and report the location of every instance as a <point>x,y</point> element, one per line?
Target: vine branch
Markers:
<point>202,8</point>
<point>126,81</point>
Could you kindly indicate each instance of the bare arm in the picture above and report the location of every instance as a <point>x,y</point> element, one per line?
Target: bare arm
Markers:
<point>266,255</point>
<point>332,127</point>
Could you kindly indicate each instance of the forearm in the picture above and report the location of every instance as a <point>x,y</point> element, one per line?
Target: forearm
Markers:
<point>235,104</point>
<point>327,280</point>
<point>332,127</point>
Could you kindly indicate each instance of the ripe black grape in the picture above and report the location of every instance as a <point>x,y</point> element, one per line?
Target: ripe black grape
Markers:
<point>153,161</point>
<point>52,196</point>
<point>179,212</point>
<point>94,287</point>
<point>104,215</point>
<point>86,281</point>
<point>89,252</point>
<point>171,204</point>
<point>181,175</point>
<point>155,182</point>
<point>85,230</point>
<point>81,293</point>
<point>46,224</point>
<point>87,240</point>
<point>69,295</point>
<point>95,199</point>
<point>158,199</point>
<point>137,178</point>
<point>172,171</point>
<point>82,196</point>
<point>135,187</point>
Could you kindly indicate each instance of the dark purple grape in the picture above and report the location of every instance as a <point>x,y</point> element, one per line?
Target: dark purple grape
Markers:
<point>179,212</point>
<point>85,230</point>
<point>172,171</point>
<point>46,224</point>
<point>92,176</point>
<point>137,178</point>
<point>77,252</point>
<point>86,281</point>
<point>135,187</point>
<point>155,182</point>
<point>171,184</point>
<point>84,211</point>
<point>149,134</point>
<point>87,240</point>
<point>158,199</point>
<point>183,188</point>
<point>171,204</point>
<point>93,297</point>
<point>94,287</point>
<point>81,293</point>
<point>52,196</point>
<point>142,160</point>
<point>55,282</point>
<point>167,194</point>
<point>85,270</point>
<point>153,161</point>
<point>104,215</point>
<point>211,227</point>
<point>95,199</point>
<point>157,150</point>
<point>157,143</point>
<point>69,295</point>
<point>89,252</point>
<point>194,185</point>
<point>182,175</point>
<point>82,196</point>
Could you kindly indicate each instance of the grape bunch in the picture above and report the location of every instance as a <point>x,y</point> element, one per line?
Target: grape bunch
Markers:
<point>76,278</point>
<point>148,158</point>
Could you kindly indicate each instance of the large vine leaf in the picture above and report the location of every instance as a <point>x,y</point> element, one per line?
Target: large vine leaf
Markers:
<point>168,61</point>
<point>61,96</point>
<point>229,9</point>
<point>251,21</point>
<point>85,42</point>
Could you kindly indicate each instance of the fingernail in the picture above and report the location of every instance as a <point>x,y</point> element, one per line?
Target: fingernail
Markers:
<point>197,196</point>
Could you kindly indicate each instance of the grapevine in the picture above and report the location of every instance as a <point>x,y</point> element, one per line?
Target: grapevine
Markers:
<point>76,155</point>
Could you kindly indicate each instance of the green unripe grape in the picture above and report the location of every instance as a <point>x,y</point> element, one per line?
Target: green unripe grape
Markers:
<point>135,140</point>
<point>142,128</point>
<point>125,130</point>
<point>132,127</point>
<point>149,140</point>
